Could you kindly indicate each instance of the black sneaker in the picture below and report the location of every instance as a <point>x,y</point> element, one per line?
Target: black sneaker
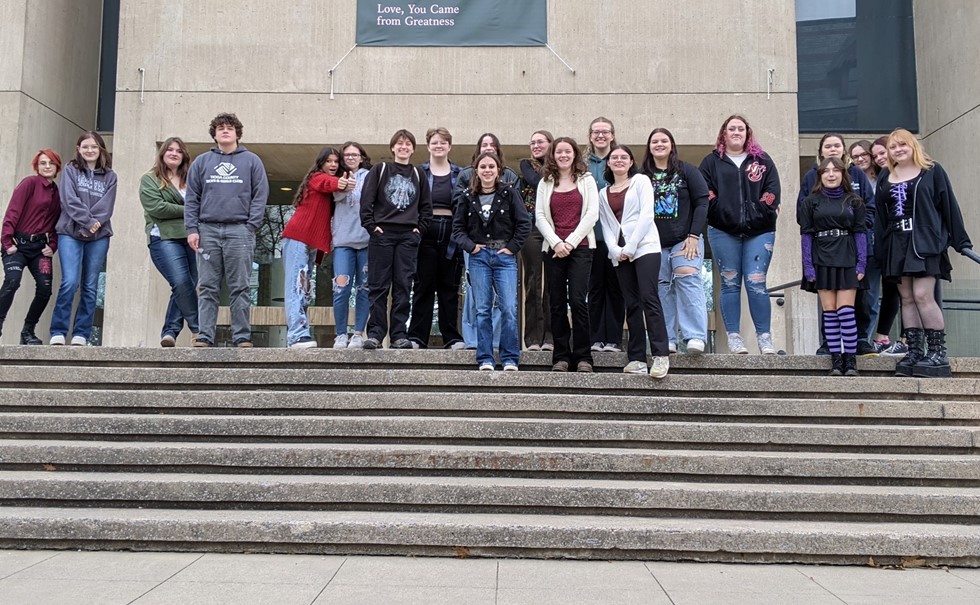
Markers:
<point>402,343</point>
<point>823,350</point>
<point>866,349</point>
<point>372,343</point>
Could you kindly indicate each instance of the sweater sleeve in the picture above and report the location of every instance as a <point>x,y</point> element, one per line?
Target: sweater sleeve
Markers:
<point>770,187</point>
<point>192,198</point>
<point>153,201</point>
<point>806,187</point>
<point>11,217</point>
<point>71,203</point>
<point>806,244</point>
<point>697,188</point>
<point>460,228</point>
<point>425,203</point>
<point>260,195</point>
<point>610,226</point>
<point>369,195</point>
<point>103,208</point>
<point>644,193</point>
<point>950,209</point>
<point>522,222</point>
<point>541,220</point>
<point>861,245</point>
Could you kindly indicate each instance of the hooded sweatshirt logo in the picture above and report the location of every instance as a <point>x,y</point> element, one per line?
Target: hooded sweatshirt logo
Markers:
<point>224,173</point>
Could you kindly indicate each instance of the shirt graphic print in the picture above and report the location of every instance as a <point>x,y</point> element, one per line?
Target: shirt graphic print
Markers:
<point>400,191</point>
<point>665,195</point>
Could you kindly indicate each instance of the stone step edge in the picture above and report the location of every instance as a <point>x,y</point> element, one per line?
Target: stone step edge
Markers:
<point>464,491</point>
<point>597,536</point>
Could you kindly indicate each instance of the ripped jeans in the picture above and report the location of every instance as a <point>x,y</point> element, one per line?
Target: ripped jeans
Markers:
<point>298,262</point>
<point>350,266</point>
<point>682,295</point>
<point>743,259</point>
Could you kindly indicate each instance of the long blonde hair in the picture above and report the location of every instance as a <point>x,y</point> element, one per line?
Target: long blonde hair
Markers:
<point>919,156</point>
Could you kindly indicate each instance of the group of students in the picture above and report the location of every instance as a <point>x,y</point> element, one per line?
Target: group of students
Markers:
<point>595,231</point>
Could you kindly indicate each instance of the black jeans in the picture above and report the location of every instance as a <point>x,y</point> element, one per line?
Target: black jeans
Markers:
<point>436,276</point>
<point>391,268</point>
<point>568,285</point>
<point>28,255</point>
<point>607,309</point>
<point>537,312</point>
<point>639,280</point>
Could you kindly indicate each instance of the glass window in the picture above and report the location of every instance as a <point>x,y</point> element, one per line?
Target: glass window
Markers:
<point>856,66</point>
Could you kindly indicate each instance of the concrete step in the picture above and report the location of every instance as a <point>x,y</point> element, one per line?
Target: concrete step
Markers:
<point>499,495</point>
<point>493,461</point>
<point>492,431</point>
<point>653,406</point>
<point>964,367</point>
<point>385,381</point>
<point>605,537</point>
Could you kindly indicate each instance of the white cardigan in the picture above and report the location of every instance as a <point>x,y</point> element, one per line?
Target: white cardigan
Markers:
<point>590,213</point>
<point>638,227</point>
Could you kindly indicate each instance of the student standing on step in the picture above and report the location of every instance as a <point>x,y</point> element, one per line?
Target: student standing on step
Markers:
<point>626,209</point>
<point>537,315</point>
<point>833,241</point>
<point>565,213</point>
<point>491,225</point>
<point>607,310</point>
<point>162,191</point>
<point>395,210</point>
<point>919,220</point>
<point>88,197</point>
<point>441,262</point>
<point>350,250</point>
<point>227,191</point>
<point>30,241</point>
<point>306,239</point>
<point>743,194</point>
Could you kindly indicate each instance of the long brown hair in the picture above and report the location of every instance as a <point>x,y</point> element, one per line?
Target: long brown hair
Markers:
<point>550,169</point>
<point>319,165</point>
<point>837,163</point>
<point>160,169</point>
<point>475,185</point>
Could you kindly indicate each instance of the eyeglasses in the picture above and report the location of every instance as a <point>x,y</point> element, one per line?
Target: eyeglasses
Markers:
<point>352,155</point>
<point>89,147</point>
<point>538,142</point>
<point>601,133</point>
<point>860,156</point>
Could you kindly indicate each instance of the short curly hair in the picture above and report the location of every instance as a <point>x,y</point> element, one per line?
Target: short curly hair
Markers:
<point>223,119</point>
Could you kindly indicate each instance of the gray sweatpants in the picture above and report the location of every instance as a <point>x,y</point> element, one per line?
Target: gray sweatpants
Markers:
<point>225,252</point>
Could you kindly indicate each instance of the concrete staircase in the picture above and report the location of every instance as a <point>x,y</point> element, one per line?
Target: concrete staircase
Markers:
<point>731,458</point>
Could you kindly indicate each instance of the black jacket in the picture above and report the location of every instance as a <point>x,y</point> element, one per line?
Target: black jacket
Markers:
<point>508,220</point>
<point>937,222</point>
<point>741,201</point>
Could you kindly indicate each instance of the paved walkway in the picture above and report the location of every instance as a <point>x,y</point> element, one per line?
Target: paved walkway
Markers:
<point>109,578</point>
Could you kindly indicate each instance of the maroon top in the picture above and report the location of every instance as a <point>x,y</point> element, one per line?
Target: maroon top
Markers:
<point>34,209</point>
<point>566,212</point>
<point>616,202</point>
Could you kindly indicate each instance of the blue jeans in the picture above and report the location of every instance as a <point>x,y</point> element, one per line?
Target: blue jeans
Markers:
<point>494,280</point>
<point>353,265</point>
<point>298,262</point>
<point>743,258</point>
<point>682,295</point>
<point>81,264</point>
<point>468,321</point>
<point>177,263</point>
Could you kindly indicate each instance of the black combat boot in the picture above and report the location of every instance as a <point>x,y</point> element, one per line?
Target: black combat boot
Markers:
<point>934,364</point>
<point>27,336</point>
<point>914,338</point>
<point>850,364</point>
<point>836,364</point>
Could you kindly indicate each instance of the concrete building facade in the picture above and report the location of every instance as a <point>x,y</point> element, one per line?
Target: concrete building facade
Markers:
<point>684,66</point>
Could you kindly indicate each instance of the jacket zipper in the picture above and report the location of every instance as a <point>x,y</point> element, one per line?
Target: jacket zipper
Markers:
<point>915,195</point>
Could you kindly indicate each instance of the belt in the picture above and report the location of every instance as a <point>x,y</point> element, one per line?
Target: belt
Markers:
<point>833,233</point>
<point>37,237</point>
<point>904,224</point>
<point>495,244</point>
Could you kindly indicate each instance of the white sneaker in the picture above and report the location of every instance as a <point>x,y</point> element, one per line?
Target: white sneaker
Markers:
<point>736,344</point>
<point>672,347</point>
<point>356,342</point>
<point>303,343</point>
<point>486,367</point>
<point>533,347</point>
<point>765,344</point>
<point>659,367</point>
<point>340,342</point>
<point>78,341</point>
<point>611,348</point>
<point>457,346</point>
<point>57,339</point>
<point>597,346</point>
<point>510,367</point>
<point>695,346</point>
<point>635,367</point>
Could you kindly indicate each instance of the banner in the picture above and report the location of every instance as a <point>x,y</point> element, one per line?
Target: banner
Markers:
<point>452,23</point>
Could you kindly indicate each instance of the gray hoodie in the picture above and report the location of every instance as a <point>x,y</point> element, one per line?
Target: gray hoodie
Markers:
<point>346,223</point>
<point>226,188</point>
<point>87,197</point>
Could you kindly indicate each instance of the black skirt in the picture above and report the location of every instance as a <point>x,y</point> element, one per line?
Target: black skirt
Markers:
<point>834,278</point>
<point>900,260</point>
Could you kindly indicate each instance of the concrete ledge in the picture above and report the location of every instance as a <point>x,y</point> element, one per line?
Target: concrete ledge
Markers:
<point>505,494</point>
<point>305,458</point>
<point>589,536</point>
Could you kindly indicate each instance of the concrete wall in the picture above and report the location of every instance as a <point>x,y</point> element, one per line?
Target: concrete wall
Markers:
<point>947,48</point>
<point>48,93</point>
<point>641,67</point>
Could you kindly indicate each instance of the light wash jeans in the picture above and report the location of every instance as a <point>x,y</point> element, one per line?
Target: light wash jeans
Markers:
<point>81,264</point>
<point>682,296</point>
<point>743,259</point>
<point>353,264</point>
<point>494,286</point>
<point>298,263</point>
<point>177,263</point>
<point>225,252</point>
<point>468,320</point>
